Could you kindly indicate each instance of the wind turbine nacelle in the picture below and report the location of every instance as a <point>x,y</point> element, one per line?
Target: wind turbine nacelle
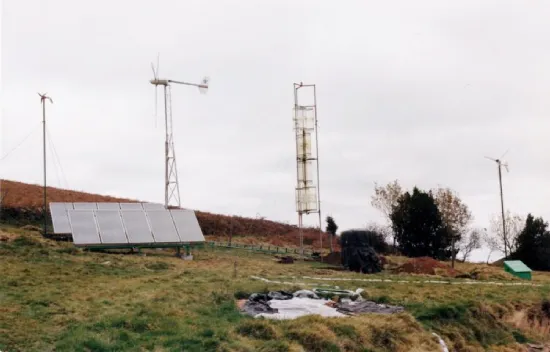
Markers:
<point>159,82</point>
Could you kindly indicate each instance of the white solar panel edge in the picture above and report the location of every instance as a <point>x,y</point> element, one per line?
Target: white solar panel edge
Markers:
<point>123,225</point>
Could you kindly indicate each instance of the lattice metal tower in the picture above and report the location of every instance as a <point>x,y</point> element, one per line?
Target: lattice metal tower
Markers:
<point>308,196</point>
<point>171,185</point>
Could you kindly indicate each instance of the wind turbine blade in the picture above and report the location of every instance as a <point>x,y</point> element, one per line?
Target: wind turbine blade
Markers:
<point>158,64</point>
<point>154,73</point>
<point>506,152</point>
<point>486,157</point>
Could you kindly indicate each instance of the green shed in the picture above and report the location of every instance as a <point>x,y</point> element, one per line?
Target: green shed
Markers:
<point>517,268</point>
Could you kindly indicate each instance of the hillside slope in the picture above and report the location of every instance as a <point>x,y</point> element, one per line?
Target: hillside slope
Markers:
<point>22,202</point>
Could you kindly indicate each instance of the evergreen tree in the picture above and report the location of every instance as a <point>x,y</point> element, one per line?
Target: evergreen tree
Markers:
<point>331,230</point>
<point>534,244</point>
<point>419,228</point>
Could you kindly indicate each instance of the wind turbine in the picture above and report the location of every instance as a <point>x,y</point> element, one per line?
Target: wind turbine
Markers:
<point>171,186</point>
<point>43,98</point>
<point>500,162</point>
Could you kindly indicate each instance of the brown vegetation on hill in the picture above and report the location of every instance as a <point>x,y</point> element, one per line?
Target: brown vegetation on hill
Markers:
<point>29,198</point>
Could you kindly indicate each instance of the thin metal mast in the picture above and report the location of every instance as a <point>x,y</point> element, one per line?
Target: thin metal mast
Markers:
<point>318,182</point>
<point>499,167</point>
<point>43,98</point>
<point>502,209</point>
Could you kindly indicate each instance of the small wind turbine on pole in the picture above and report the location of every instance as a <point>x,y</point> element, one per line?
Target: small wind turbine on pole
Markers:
<point>43,98</point>
<point>171,186</point>
<point>500,163</point>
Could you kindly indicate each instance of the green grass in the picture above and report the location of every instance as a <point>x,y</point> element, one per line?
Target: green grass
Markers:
<point>56,297</point>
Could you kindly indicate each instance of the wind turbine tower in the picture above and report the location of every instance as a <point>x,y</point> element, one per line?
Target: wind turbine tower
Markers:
<point>308,198</point>
<point>500,163</point>
<point>171,185</point>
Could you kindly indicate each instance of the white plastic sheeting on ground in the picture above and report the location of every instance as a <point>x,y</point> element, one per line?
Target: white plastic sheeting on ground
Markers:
<point>441,342</point>
<point>298,307</point>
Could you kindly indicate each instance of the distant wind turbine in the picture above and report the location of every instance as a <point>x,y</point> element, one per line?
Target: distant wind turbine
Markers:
<point>500,162</point>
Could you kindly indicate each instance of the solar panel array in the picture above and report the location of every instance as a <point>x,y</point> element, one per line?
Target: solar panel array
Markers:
<point>113,224</point>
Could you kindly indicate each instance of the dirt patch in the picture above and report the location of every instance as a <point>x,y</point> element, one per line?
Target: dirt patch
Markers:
<point>334,258</point>
<point>7,237</point>
<point>427,266</point>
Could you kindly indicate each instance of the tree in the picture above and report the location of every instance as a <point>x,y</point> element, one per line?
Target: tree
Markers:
<point>491,242</point>
<point>382,234</point>
<point>470,242</point>
<point>331,230</point>
<point>385,198</point>
<point>514,225</point>
<point>455,215</point>
<point>419,228</point>
<point>533,244</point>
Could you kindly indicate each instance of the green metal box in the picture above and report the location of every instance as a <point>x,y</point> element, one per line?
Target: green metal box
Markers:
<point>517,268</point>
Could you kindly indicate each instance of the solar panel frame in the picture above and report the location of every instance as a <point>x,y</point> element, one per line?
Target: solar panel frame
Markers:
<point>136,224</point>
<point>131,206</point>
<point>162,226</point>
<point>84,206</point>
<point>108,206</point>
<point>125,224</point>
<point>110,227</point>
<point>84,227</point>
<point>187,225</point>
<point>153,206</point>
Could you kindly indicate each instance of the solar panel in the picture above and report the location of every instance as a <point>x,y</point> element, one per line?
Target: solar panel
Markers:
<point>187,225</point>
<point>162,226</point>
<point>84,206</point>
<point>60,219</point>
<point>153,206</point>
<point>110,226</point>
<point>125,223</point>
<point>137,227</point>
<point>108,206</point>
<point>131,206</point>
<point>83,227</point>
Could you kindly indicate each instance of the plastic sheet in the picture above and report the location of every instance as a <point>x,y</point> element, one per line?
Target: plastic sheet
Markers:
<point>298,307</point>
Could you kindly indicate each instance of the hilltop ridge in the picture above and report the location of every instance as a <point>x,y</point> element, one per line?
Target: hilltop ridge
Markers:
<point>22,202</point>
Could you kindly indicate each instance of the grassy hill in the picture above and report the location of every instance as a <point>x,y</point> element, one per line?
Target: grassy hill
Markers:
<point>54,297</point>
<point>22,204</point>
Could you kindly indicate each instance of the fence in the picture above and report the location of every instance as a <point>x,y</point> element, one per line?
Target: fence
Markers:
<point>270,249</point>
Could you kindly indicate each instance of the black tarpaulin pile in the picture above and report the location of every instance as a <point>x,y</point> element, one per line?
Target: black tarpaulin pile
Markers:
<point>358,253</point>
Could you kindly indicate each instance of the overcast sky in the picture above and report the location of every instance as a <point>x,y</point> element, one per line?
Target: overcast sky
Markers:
<point>418,91</point>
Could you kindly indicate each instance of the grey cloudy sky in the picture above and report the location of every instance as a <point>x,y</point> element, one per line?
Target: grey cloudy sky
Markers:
<point>414,90</point>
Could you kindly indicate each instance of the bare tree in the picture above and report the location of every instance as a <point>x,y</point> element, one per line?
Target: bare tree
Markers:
<point>455,215</point>
<point>491,242</point>
<point>385,198</point>
<point>384,230</point>
<point>514,225</point>
<point>470,242</point>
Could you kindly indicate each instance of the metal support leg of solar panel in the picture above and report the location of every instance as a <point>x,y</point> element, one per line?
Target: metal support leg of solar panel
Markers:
<point>126,225</point>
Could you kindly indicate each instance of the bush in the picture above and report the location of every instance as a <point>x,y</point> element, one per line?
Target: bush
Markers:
<point>364,238</point>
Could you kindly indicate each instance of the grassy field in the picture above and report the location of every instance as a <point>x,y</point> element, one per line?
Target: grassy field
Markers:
<point>56,297</point>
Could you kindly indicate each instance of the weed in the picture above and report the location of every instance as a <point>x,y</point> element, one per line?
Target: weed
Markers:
<point>275,346</point>
<point>256,329</point>
<point>313,339</point>
<point>158,266</point>
<point>241,295</point>
<point>344,330</point>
